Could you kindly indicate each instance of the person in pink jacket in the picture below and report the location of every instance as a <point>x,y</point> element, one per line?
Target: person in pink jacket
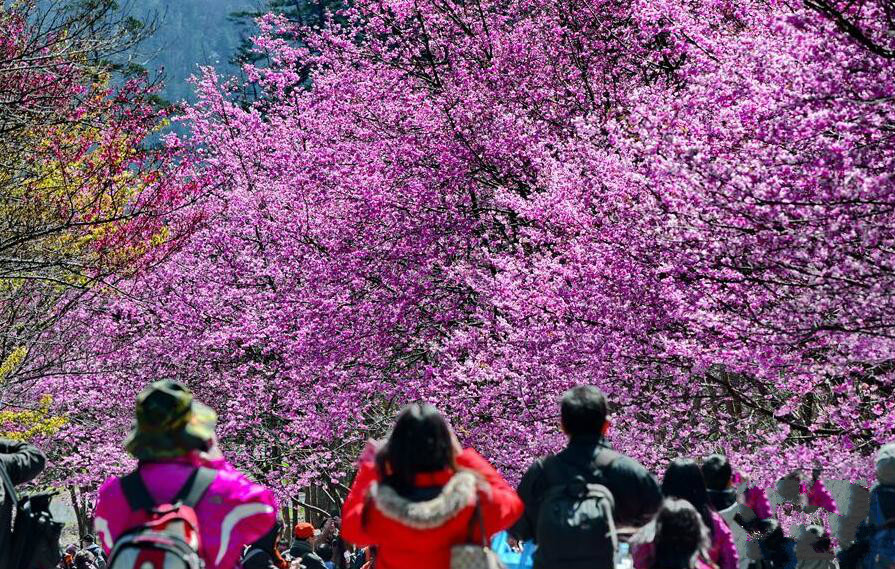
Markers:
<point>819,496</point>
<point>174,437</point>
<point>757,499</point>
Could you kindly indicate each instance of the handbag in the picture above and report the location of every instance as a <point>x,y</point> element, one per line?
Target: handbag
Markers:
<point>34,540</point>
<point>472,555</point>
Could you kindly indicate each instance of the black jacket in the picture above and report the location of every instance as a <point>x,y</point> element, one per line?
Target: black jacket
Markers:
<point>257,558</point>
<point>302,549</point>
<point>260,554</point>
<point>722,499</point>
<point>635,491</point>
<point>22,462</point>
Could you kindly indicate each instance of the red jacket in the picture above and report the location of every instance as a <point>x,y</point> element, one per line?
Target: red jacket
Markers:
<point>409,534</point>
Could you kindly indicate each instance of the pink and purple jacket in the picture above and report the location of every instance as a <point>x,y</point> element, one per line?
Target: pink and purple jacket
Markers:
<point>820,497</point>
<point>233,511</point>
<point>724,549</point>
<point>757,499</point>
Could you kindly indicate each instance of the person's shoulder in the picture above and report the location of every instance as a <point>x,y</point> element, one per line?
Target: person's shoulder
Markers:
<point>110,489</point>
<point>626,470</point>
<point>233,487</point>
<point>719,522</point>
<point>471,459</point>
<point>625,464</point>
<point>536,469</point>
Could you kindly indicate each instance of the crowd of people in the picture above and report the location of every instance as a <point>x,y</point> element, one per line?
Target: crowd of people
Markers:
<point>421,500</point>
<point>89,555</point>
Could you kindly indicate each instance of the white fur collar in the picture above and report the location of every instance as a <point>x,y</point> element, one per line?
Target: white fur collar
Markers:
<point>457,494</point>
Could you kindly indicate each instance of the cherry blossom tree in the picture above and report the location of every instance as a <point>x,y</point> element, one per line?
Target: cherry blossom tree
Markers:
<point>84,194</point>
<point>483,203</point>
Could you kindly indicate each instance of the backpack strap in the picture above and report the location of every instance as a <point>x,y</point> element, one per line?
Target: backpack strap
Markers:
<point>9,487</point>
<point>136,493</point>
<point>477,519</point>
<point>195,486</point>
<point>139,498</point>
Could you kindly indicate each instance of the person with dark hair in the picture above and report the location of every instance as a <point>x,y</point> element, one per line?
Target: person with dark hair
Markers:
<point>84,560</point>
<point>586,459</point>
<point>341,552</point>
<point>584,411</point>
<point>676,539</point>
<point>89,543</point>
<point>718,476</point>
<point>719,481</point>
<point>683,479</point>
<point>68,557</point>
<point>419,494</point>
<point>325,551</point>
<point>681,540</point>
<point>265,553</point>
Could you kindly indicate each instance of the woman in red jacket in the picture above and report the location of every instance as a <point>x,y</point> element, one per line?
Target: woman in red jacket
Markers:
<point>417,496</point>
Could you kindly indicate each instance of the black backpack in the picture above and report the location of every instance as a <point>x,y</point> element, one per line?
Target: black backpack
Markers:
<point>34,543</point>
<point>575,525</point>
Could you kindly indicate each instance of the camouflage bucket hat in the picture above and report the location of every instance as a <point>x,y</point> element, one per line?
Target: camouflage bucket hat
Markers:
<point>169,423</point>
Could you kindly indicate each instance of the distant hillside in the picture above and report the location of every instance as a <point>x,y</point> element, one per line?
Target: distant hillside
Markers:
<point>191,33</point>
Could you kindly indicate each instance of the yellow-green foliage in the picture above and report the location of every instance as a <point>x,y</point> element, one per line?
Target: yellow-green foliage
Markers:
<point>26,424</point>
<point>12,362</point>
<point>77,201</point>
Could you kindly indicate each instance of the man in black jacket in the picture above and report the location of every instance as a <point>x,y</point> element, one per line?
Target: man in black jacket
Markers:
<point>22,463</point>
<point>635,491</point>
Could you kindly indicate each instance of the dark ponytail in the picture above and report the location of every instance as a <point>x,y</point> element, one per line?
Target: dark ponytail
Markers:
<point>683,479</point>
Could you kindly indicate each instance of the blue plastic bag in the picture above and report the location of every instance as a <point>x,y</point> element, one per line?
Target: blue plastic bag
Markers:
<point>513,559</point>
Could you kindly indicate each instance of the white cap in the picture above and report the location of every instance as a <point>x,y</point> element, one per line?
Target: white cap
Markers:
<point>885,464</point>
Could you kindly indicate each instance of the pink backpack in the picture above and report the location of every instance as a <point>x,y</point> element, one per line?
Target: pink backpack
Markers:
<point>162,536</point>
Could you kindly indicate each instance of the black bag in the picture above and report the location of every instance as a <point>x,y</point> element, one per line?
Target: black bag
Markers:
<point>34,543</point>
<point>575,526</point>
